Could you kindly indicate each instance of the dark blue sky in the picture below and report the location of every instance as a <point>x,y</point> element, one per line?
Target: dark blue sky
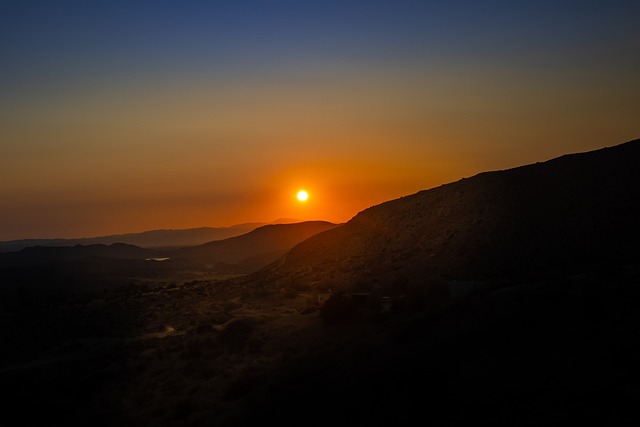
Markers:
<point>54,38</point>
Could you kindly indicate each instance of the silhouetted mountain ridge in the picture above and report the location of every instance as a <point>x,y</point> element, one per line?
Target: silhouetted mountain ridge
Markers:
<point>545,218</point>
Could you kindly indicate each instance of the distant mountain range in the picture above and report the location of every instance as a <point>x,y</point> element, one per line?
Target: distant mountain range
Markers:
<point>149,239</point>
<point>555,217</point>
<point>239,254</point>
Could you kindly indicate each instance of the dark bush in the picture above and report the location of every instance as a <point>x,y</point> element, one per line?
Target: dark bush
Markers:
<point>237,332</point>
<point>203,328</point>
<point>338,308</point>
<point>241,387</point>
<point>426,295</point>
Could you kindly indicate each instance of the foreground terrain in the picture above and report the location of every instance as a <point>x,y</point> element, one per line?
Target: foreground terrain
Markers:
<point>510,297</point>
<point>222,353</point>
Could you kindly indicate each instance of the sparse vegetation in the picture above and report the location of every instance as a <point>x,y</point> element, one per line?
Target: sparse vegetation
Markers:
<point>339,308</point>
<point>236,333</point>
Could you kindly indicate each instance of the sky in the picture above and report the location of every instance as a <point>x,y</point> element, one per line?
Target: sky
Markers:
<point>128,116</point>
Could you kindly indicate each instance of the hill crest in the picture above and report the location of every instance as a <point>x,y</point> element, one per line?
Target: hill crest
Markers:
<point>545,218</point>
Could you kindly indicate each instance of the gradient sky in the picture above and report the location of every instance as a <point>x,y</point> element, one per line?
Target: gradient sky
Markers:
<point>127,116</point>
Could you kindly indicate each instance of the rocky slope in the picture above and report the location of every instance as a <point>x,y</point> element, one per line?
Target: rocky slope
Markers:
<point>549,218</point>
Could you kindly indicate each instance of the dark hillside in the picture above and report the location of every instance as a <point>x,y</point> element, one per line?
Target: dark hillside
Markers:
<point>547,337</point>
<point>534,221</point>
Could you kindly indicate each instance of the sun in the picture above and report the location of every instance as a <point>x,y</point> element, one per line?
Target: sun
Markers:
<point>302,196</point>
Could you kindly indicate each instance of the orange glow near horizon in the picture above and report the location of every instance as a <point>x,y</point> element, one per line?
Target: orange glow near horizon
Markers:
<point>222,149</point>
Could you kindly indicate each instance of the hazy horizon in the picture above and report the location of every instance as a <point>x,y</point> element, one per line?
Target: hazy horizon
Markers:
<point>276,221</point>
<point>124,117</point>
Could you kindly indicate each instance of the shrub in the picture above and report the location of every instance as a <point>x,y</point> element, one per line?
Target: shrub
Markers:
<point>427,295</point>
<point>338,308</point>
<point>237,332</point>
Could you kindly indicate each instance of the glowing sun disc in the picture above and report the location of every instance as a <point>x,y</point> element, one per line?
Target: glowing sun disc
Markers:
<point>303,195</point>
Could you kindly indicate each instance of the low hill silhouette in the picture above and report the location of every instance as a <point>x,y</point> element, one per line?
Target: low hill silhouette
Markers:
<point>255,249</point>
<point>53,254</point>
